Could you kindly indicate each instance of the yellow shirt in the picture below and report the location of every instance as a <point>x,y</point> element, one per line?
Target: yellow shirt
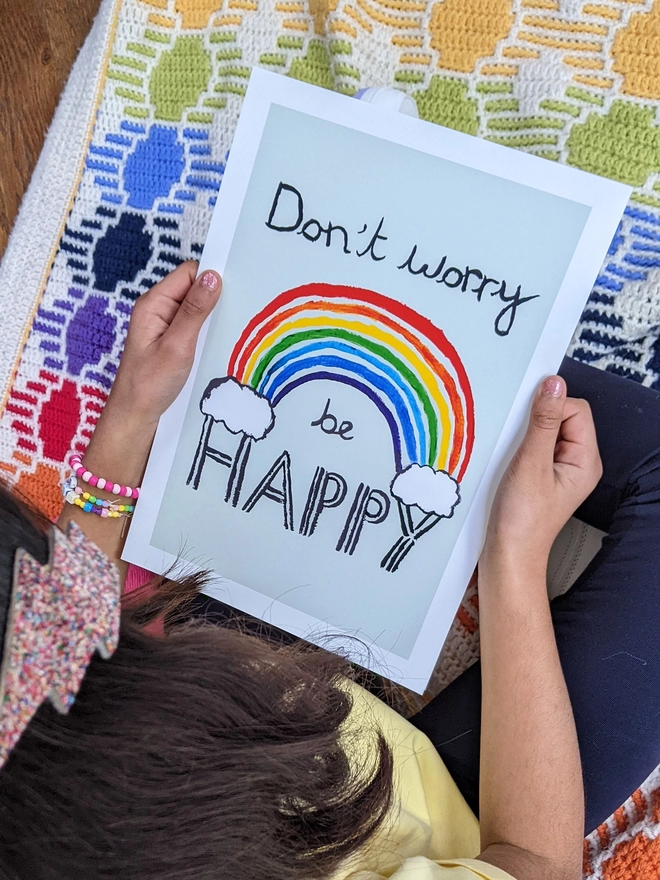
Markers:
<point>431,833</point>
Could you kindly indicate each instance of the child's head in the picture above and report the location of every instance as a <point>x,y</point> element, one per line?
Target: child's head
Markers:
<point>206,753</point>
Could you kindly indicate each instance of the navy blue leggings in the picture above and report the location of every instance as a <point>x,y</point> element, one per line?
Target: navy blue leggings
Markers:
<point>607,625</point>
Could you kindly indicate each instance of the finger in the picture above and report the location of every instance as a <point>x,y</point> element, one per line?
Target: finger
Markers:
<point>195,308</point>
<point>577,436</point>
<point>578,425</point>
<point>546,418</point>
<point>174,287</point>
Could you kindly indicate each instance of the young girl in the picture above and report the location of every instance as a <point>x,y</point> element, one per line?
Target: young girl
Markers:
<point>212,753</point>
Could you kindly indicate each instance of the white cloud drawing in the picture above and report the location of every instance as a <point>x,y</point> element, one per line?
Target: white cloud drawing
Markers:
<point>432,491</point>
<point>238,407</point>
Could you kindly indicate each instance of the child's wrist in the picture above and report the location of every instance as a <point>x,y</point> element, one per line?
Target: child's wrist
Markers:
<point>506,565</point>
<point>130,411</point>
<point>119,447</point>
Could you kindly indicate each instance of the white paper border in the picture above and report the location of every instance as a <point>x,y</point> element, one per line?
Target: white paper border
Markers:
<point>607,199</point>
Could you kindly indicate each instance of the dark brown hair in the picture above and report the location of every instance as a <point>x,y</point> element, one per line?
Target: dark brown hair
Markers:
<point>207,753</point>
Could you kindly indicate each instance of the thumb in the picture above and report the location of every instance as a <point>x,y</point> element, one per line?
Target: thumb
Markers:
<point>546,415</point>
<point>195,308</point>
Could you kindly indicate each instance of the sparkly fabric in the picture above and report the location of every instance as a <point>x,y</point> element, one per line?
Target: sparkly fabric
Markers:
<point>60,614</point>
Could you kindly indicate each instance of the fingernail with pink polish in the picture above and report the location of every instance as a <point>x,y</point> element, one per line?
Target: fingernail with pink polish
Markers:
<point>210,280</point>
<point>553,386</point>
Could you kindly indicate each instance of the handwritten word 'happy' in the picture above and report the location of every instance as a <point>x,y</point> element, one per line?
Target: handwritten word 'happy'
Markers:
<point>287,214</point>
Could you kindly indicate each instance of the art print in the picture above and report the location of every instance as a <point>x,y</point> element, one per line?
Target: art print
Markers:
<point>392,294</point>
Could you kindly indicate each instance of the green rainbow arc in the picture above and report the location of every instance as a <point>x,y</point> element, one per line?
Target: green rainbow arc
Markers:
<point>260,377</point>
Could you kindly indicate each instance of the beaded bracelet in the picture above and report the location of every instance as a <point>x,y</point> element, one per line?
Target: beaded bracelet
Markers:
<point>92,507</point>
<point>99,482</point>
<point>102,502</point>
<point>73,494</point>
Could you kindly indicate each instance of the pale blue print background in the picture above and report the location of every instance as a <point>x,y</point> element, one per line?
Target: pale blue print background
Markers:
<point>505,229</point>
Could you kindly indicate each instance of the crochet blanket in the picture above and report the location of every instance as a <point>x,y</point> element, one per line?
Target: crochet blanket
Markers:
<point>128,177</point>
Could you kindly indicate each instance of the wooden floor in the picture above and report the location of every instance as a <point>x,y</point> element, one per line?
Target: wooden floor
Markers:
<point>39,41</point>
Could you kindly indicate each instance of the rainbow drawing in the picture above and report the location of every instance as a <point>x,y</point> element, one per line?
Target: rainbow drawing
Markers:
<point>399,359</point>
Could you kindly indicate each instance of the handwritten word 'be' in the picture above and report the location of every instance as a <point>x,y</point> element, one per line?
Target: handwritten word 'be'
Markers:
<point>329,424</point>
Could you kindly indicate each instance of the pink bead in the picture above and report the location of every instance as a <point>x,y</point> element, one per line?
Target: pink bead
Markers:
<point>75,461</point>
<point>104,512</point>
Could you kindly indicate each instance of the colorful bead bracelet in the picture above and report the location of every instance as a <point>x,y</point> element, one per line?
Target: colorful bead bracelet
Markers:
<point>73,494</point>
<point>91,507</point>
<point>99,482</point>
<point>102,502</point>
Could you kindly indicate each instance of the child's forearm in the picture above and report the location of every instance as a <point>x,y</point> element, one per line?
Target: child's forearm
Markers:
<point>531,794</point>
<point>157,358</point>
<point>118,450</point>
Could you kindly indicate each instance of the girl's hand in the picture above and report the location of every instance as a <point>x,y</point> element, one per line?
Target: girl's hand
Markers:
<point>556,467</point>
<point>160,346</point>
<point>157,358</point>
<point>158,355</point>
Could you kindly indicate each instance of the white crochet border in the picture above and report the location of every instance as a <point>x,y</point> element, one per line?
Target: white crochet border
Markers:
<point>46,205</point>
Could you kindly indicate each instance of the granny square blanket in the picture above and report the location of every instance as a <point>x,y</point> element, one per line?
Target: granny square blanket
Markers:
<point>128,178</point>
